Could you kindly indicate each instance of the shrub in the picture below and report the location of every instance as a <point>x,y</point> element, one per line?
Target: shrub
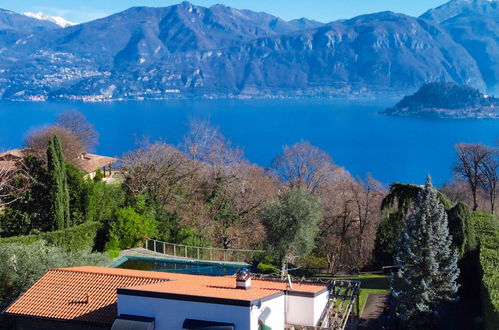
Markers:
<point>104,200</point>
<point>267,269</point>
<point>21,265</point>
<point>71,239</point>
<point>127,228</point>
<point>313,262</point>
<point>488,233</point>
<point>99,175</point>
<point>115,253</point>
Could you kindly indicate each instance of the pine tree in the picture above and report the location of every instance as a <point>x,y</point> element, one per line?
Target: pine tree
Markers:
<point>59,192</point>
<point>427,261</point>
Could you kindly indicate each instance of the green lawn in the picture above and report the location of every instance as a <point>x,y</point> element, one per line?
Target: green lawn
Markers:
<point>365,292</point>
<point>369,283</point>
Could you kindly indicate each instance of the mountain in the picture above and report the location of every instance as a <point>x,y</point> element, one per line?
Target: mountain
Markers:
<point>447,100</point>
<point>14,27</point>
<point>153,33</point>
<point>186,50</point>
<point>456,8</point>
<point>54,19</point>
<point>13,21</point>
<point>475,25</point>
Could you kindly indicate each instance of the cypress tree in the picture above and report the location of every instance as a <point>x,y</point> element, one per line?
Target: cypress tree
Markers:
<point>427,261</point>
<point>59,192</point>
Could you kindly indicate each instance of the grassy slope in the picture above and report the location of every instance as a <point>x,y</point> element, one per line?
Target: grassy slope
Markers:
<point>369,283</point>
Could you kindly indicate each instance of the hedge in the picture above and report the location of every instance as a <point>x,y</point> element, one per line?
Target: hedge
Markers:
<point>73,239</point>
<point>488,233</point>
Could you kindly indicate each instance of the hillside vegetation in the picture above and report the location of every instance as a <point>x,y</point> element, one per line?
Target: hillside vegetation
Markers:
<point>447,100</point>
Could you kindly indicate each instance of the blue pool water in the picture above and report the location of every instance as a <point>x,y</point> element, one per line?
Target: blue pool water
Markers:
<point>178,266</point>
<point>354,133</point>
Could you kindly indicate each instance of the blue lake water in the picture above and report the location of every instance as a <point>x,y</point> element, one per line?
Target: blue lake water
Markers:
<point>352,132</point>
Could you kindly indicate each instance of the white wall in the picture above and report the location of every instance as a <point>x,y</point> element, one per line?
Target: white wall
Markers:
<point>272,311</point>
<point>320,303</point>
<point>299,310</point>
<point>170,314</point>
<point>305,310</point>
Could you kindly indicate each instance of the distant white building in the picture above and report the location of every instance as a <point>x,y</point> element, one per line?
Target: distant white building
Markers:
<point>109,298</point>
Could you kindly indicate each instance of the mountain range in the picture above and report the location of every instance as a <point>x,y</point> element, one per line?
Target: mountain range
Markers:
<point>54,19</point>
<point>192,51</point>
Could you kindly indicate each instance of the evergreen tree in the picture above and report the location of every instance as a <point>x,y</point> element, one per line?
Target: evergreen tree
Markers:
<point>427,261</point>
<point>291,223</point>
<point>461,228</point>
<point>59,192</point>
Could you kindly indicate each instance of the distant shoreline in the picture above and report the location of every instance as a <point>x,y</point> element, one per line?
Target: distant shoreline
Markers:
<point>465,113</point>
<point>377,96</point>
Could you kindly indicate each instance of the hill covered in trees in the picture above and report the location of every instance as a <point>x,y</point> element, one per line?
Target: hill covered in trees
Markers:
<point>447,100</point>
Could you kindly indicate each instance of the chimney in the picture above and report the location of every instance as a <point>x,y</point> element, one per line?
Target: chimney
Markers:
<point>243,279</point>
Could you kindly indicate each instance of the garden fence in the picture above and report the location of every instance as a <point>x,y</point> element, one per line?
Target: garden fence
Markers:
<point>201,253</point>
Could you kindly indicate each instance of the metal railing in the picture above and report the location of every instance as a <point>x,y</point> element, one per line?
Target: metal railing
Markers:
<point>343,296</point>
<point>201,253</point>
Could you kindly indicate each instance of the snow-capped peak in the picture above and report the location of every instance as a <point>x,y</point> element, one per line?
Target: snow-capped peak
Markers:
<point>54,19</point>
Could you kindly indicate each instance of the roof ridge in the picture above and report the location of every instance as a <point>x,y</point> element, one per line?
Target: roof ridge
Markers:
<point>76,270</point>
<point>278,280</point>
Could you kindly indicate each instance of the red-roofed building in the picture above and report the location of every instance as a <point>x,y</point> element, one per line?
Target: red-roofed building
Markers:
<point>11,160</point>
<point>109,298</point>
<point>89,163</point>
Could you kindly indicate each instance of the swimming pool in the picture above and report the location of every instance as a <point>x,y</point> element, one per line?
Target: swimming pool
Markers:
<point>194,267</point>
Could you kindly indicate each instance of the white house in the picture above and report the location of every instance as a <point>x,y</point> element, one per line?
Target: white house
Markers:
<point>109,298</point>
<point>193,300</point>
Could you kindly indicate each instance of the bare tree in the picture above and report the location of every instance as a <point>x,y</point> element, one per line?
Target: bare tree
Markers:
<point>367,196</point>
<point>75,122</point>
<point>304,166</point>
<point>489,169</point>
<point>158,169</point>
<point>6,177</point>
<point>37,142</point>
<point>458,190</point>
<point>14,180</point>
<point>337,226</point>
<point>351,215</point>
<point>204,143</point>
<point>470,166</point>
<point>236,204</point>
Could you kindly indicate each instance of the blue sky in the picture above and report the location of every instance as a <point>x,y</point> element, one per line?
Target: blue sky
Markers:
<point>322,10</point>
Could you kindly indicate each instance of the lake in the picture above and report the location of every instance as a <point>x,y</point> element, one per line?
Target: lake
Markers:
<point>354,133</point>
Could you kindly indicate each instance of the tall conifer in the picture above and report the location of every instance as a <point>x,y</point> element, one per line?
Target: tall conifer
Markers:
<point>59,192</point>
<point>427,261</point>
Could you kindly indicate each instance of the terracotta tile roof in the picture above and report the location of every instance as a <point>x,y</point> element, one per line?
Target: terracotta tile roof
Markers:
<point>224,287</point>
<point>91,163</point>
<point>62,293</point>
<point>10,160</point>
<point>14,153</point>
<point>8,165</point>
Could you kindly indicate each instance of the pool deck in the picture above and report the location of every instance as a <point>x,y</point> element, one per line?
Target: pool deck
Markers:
<point>141,252</point>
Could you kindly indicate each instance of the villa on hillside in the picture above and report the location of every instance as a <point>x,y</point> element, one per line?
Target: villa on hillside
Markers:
<point>89,163</point>
<point>10,160</point>
<point>110,298</point>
